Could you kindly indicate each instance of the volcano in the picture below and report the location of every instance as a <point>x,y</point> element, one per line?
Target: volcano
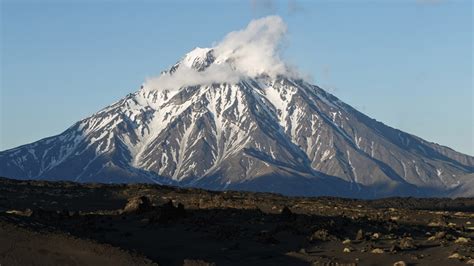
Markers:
<point>235,117</point>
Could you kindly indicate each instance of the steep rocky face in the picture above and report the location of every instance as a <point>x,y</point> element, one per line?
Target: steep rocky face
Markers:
<point>278,134</point>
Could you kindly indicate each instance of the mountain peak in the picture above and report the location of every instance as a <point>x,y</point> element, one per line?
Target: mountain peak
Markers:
<point>247,53</point>
<point>198,58</point>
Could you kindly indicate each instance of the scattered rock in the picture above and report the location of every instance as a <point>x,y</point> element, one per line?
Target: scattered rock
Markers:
<point>462,240</point>
<point>237,216</point>
<point>440,235</point>
<point>321,235</point>
<point>400,263</point>
<point>470,262</point>
<point>437,224</point>
<point>407,243</point>
<point>377,251</point>
<point>360,235</point>
<point>138,205</point>
<point>456,256</point>
<point>376,236</point>
<point>346,242</point>
<point>450,237</point>
<point>394,249</point>
<point>27,212</point>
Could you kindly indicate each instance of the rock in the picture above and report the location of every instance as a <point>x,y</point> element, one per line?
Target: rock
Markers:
<point>394,249</point>
<point>400,263</point>
<point>377,251</point>
<point>347,250</point>
<point>395,218</point>
<point>407,243</point>
<point>470,262</point>
<point>440,235</point>
<point>456,256</point>
<point>321,235</point>
<point>346,242</point>
<point>450,237</point>
<point>376,236</point>
<point>138,205</point>
<point>27,212</point>
<point>360,235</point>
<point>437,224</point>
<point>462,240</point>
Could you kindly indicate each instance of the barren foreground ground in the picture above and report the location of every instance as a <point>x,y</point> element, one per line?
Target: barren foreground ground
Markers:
<point>64,223</point>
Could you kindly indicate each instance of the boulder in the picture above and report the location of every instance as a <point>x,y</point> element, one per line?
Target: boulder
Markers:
<point>360,235</point>
<point>407,243</point>
<point>400,263</point>
<point>138,205</point>
<point>377,251</point>
<point>321,235</point>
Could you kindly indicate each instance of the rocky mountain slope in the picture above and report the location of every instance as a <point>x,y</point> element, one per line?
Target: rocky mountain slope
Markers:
<point>258,132</point>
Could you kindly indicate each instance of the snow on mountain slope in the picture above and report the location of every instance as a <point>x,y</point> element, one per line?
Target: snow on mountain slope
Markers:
<point>213,121</point>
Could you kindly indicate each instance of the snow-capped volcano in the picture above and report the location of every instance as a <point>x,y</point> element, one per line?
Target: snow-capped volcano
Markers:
<point>234,116</point>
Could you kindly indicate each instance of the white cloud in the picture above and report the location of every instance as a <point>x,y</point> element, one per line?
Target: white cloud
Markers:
<point>255,49</point>
<point>249,52</point>
<point>185,76</point>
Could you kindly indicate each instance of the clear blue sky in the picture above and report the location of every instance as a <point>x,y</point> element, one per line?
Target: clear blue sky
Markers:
<point>406,63</point>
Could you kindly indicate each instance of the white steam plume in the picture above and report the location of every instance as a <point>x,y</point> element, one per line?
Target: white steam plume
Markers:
<point>250,52</point>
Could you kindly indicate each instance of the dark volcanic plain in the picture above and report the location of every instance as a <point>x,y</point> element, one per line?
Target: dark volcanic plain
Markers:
<point>65,223</point>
